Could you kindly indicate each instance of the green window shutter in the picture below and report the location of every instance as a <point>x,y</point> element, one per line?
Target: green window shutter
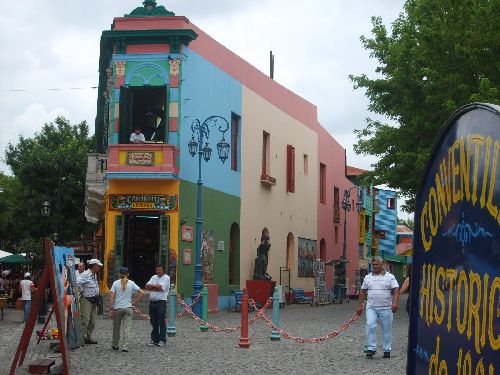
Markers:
<point>164,241</point>
<point>118,256</point>
<point>125,114</point>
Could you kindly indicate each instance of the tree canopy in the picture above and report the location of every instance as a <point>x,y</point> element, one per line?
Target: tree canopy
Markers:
<point>50,166</point>
<point>439,56</point>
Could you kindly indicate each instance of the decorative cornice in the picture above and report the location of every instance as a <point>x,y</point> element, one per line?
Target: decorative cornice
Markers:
<point>150,9</point>
<point>172,37</point>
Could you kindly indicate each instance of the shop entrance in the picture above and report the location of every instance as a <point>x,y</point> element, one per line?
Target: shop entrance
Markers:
<point>142,247</point>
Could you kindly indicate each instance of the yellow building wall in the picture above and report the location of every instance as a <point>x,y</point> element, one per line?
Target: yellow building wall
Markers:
<point>137,187</point>
<point>272,206</point>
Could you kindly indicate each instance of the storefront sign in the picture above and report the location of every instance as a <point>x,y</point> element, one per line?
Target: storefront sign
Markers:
<point>455,285</point>
<point>143,202</point>
<point>140,158</point>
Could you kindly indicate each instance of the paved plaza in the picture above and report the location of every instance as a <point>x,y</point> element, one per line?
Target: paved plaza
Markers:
<point>195,352</point>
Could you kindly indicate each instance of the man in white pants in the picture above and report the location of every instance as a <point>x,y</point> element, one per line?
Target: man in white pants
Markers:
<point>382,289</point>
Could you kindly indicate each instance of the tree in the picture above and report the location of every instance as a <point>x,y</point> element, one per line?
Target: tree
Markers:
<point>409,222</point>
<point>50,166</point>
<point>441,55</point>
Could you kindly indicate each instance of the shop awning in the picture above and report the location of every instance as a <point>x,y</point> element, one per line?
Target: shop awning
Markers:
<point>14,259</point>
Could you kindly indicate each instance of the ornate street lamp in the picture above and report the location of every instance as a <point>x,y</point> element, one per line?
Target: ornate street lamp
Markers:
<point>346,206</point>
<point>201,133</point>
<point>42,312</point>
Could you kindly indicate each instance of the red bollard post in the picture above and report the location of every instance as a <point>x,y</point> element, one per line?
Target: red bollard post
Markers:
<point>244,342</point>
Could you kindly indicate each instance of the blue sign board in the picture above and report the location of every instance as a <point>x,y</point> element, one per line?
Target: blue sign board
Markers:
<point>455,286</point>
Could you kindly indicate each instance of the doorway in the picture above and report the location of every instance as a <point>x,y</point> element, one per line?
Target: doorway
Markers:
<point>142,247</point>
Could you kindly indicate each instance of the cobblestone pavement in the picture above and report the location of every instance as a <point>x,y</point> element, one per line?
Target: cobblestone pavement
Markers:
<point>195,352</point>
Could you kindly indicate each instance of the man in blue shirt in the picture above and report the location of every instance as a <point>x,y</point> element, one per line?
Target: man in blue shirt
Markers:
<point>159,285</point>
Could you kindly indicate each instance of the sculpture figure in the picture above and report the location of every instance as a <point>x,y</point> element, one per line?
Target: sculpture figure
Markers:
<point>260,270</point>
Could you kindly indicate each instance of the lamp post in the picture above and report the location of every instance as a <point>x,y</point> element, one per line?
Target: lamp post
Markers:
<point>45,212</point>
<point>346,206</point>
<point>201,134</point>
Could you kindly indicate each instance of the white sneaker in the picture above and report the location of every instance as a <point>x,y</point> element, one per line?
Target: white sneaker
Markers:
<point>151,343</point>
<point>161,343</point>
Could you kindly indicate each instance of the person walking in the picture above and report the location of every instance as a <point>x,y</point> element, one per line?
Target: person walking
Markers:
<point>120,302</point>
<point>89,291</point>
<point>26,286</point>
<point>159,285</point>
<point>382,290</point>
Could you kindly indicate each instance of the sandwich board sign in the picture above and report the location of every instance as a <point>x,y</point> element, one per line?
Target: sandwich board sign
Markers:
<point>455,287</point>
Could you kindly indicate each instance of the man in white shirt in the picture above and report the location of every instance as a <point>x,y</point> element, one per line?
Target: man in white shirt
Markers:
<point>80,269</point>
<point>137,136</point>
<point>26,286</point>
<point>88,286</point>
<point>382,289</point>
<point>159,285</point>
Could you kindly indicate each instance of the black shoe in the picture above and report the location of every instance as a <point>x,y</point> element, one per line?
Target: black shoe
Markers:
<point>115,347</point>
<point>370,354</point>
<point>125,350</point>
<point>387,354</point>
<point>89,341</point>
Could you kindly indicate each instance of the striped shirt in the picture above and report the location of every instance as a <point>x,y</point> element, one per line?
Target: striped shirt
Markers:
<point>88,284</point>
<point>379,289</point>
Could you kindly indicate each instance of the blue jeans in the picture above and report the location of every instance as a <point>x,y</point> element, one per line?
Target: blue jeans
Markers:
<point>26,309</point>
<point>384,315</point>
<point>157,315</point>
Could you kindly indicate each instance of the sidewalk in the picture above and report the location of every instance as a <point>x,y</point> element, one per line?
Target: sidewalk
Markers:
<point>194,352</point>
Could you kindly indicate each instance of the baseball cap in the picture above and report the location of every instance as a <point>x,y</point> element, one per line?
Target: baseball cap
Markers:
<point>94,261</point>
<point>27,274</point>
<point>123,270</point>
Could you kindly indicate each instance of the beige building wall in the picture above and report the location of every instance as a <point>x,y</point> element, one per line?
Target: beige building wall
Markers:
<point>272,206</point>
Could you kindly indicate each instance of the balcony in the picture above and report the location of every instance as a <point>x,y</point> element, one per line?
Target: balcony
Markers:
<point>265,179</point>
<point>142,161</point>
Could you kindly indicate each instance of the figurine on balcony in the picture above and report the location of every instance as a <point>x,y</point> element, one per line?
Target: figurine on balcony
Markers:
<point>260,270</point>
<point>137,136</point>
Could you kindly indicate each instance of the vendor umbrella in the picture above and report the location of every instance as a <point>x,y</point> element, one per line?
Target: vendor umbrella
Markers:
<point>14,259</point>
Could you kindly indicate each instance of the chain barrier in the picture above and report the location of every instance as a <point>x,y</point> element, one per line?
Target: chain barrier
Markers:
<point>215,328</point>
<point>260,313</point>
<point>180,315</point>
<point>312,340</point>
<point>146,316</point>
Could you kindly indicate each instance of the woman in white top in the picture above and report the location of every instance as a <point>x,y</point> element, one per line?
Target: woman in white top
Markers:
<point>120,308</point>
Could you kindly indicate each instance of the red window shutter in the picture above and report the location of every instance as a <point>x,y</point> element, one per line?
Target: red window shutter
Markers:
<point>290,168</point>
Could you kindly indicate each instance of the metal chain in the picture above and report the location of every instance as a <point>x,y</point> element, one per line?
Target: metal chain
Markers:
<point>312,340</point>
<point>260,313</point>
<point>146,316</point>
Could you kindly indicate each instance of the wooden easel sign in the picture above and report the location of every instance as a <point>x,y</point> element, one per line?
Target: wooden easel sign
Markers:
<point>59,272</point>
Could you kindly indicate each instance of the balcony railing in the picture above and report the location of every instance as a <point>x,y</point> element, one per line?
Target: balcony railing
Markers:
<point>145,160</point>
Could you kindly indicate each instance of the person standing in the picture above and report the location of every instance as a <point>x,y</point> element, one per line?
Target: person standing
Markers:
<point>79,270</point>
<point>159,285</point>
<point>120,302</point>
<point>89,290</point>
<point>26,286</point>
<point>382,290</point>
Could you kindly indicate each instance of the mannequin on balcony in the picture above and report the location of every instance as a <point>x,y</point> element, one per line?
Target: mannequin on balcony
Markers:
<point>137,136</point>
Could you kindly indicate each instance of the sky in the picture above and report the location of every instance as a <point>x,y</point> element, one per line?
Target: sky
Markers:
<point>49,53</point>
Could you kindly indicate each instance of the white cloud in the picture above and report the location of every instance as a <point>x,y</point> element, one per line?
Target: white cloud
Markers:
<point>55,44</point>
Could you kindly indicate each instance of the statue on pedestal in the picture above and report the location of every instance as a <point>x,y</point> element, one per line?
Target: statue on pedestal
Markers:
<point>260,270</point>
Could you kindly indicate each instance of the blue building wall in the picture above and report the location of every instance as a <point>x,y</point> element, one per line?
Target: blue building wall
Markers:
<point>205,91</point>
<point>386,220</point>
